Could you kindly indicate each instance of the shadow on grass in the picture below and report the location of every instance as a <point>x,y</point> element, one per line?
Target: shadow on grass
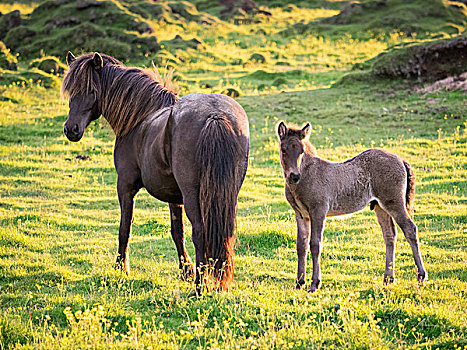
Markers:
<point>264,243</point>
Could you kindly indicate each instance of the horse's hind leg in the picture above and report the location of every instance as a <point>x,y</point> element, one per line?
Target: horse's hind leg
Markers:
<point>178,235</point>
<point>402,218</point>
<point>389,234</point>
<point>193,212</point>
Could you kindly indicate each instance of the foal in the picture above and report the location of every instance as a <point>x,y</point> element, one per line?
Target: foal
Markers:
<point>317,188</point>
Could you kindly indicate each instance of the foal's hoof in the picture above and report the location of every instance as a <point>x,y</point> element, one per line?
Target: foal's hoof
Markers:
<point>421,277</point>
<point>388,279</point>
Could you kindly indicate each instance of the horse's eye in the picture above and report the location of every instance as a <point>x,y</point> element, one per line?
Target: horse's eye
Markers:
<point>283,150</point>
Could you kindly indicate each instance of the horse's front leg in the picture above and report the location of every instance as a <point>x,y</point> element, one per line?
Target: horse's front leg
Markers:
<point>303,244</point>
<point>318,219</point>
<point>126,196</point>
<point>178,235</point>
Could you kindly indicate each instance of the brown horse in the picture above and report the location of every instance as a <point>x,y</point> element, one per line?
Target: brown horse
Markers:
<point>191,152</point>
<point>317,188</point>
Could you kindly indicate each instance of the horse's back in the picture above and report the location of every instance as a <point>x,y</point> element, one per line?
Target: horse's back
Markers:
<point>194,109</point>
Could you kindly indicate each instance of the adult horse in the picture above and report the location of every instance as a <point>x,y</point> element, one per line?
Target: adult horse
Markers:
<point>191,152</point>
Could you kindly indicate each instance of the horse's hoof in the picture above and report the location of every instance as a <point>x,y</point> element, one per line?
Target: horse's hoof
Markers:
<point>187,273</point>
<point>299,284</point>
<point>121,266</point>
<point>313,288</point>
<point>388,279</point>
<point>193,294</point>
<point>421,277</point>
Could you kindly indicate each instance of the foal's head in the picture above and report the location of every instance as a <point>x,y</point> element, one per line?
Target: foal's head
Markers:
<point>291,149</point>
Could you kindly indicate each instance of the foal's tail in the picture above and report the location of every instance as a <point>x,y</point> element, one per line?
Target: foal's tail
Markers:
<point>410,192</point>
<point>221,158</point>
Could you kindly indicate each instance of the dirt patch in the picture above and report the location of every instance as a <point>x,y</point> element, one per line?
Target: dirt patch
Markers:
<point>447,84</point>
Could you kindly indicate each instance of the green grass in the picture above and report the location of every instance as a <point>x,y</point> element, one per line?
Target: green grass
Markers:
<point>59,223</point>
<point>59,215</point>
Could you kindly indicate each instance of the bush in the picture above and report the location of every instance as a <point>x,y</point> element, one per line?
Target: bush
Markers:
<point>7,60</point>
<point>257,57</point>
<point>48,64</point>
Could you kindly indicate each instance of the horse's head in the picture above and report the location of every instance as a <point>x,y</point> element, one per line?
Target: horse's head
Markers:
<point>291,149</point>
<point>83,102</point>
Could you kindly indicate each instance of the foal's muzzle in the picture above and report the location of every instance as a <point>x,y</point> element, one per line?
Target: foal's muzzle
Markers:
<point>294,178</point>
<point>73,134</point>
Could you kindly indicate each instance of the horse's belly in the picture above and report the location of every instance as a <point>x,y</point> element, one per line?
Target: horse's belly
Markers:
<point>165,190</point>
<point>344,206</point>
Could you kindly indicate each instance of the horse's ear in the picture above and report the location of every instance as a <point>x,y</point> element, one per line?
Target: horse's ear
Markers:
<point>305,132</point>
<point>97,60</point>
<point>281,129</point>
<point>70,58</point>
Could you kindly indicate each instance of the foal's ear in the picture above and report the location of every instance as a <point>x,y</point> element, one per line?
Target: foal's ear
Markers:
<point>97,60</point>
<point>70,58</point>
<point>281,129</point>
<point>305,132</point>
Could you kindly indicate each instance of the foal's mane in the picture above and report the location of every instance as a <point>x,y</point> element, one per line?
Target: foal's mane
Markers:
<point>126,95</point>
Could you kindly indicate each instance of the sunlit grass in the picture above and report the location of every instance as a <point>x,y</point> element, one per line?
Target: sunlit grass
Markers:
<point>23,7</point>
<point>59,214</point>
<point>59,222</point>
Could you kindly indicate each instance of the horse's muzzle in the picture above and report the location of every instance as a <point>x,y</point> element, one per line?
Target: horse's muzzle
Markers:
<point>73,134</point>
<point>294,178</point>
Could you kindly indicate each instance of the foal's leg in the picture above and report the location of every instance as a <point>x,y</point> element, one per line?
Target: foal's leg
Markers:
<point>178,235</point>
<point>317,227</point>
<point>303,244</point>
<point>389,234</point>
<point>410,230</point>
<point>127,191</point>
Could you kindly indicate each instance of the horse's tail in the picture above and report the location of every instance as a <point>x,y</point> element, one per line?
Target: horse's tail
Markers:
<point>219,154</point>
<point>410,192</point>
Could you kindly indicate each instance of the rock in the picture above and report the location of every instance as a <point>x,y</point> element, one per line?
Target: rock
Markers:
<point>8,21</point>
<point>431,61</point>
<point>81,5</point>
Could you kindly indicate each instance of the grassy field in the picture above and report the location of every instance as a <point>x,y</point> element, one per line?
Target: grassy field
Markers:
<point>59,215</point>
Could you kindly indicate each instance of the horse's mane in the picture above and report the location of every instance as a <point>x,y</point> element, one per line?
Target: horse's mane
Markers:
<point>126,95</point>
